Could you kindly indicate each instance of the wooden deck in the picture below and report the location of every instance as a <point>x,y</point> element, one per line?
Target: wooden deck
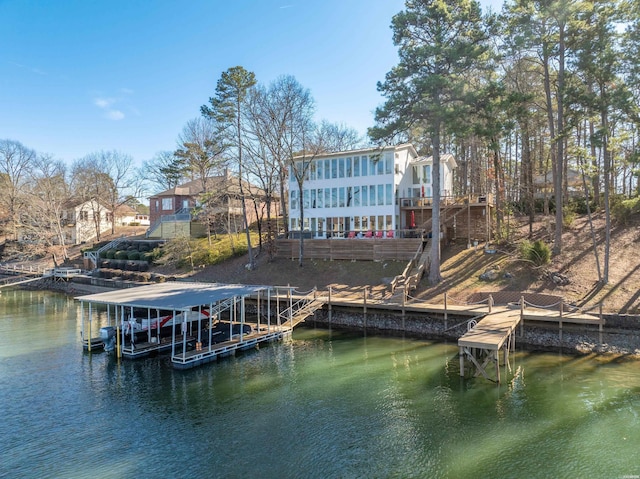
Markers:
<point>484,341</point>
<point>496,331</point>
<point>492,331</point>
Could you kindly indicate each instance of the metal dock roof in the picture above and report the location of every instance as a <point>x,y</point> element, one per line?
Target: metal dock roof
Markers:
<point>173,295</point>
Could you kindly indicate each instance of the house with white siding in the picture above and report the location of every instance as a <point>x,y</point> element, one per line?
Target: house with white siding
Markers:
<point>363,192</point>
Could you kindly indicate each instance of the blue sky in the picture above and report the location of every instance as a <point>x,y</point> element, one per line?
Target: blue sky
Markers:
<point>83,76</point>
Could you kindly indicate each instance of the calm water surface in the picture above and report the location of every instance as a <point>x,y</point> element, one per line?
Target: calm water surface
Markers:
<point>326,405</point>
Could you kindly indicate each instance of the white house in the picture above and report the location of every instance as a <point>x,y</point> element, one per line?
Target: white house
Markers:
<point>82,219</point>
<point>361,191</point>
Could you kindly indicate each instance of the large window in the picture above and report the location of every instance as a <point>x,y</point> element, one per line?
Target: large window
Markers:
<point>365,165</point>
<point>319,169</point>
<point>388,194</point>
<point>356,196</point>
<point>426,174</point>
<point>334,168</point>
<point>320,198</point>
<point>388,164</point>
<point>167,204</point>
<point>349,168</point>
<point>380,195</point>
<point>341,197</point>
<point>334,197</point>
<point>365,195</point>
<point>356,166</point>
<point>341,168</point>
<point>372,195</point>
<point>327,169</point>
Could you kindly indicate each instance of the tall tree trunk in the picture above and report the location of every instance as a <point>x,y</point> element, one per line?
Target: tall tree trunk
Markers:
<point>434,270</point>
<point>559,167</point>
<point>301,206</point>
<point>607,187</point>
<point>251,264</point>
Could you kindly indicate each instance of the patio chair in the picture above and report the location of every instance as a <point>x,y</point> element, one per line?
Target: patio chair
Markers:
<point>390,234</point>
<point>351,234</point>
<point>379,234</point>
<point>368,234</point>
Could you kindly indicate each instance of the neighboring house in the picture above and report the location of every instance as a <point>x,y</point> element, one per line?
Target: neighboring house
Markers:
<point>544,188</point>
<point>80,219</point>
<point>365,190</point>
<point>171,211</point>
<point>127,216</point>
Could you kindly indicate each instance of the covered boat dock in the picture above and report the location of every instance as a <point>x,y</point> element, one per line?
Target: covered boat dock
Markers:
<point>196,322</point>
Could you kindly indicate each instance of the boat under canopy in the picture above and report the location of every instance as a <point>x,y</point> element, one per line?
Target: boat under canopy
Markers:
<point>197,322</point>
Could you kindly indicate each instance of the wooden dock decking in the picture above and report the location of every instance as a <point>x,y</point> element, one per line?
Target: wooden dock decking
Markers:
<point>489,335</point>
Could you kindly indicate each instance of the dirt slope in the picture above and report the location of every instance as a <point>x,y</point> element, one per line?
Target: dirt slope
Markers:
<point>462,267</point>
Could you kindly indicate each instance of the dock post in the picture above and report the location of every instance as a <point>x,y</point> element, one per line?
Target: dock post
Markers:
<point>364,303</point>
<point>521,316</point>
<point>445,311</point>
<point>89,338</point>
<point>560,323</point>
<point>600,325</point>
<point>461,362</point>
<point>329,305</point>
<point>490,302</point>
<point>497,360</point>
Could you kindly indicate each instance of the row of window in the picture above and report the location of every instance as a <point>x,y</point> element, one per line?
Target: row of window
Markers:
<point>349,167</point>
<point>340,224</point>
<point>83,215</point>
<point>345,196</point>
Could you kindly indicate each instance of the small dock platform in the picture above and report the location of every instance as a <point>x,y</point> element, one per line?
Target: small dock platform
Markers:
<point>485,339</point>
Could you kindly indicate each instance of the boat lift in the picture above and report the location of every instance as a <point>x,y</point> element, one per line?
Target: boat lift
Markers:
<point>195,312</point>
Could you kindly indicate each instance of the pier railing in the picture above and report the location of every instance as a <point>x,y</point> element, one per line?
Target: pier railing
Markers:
<point>301,309</point>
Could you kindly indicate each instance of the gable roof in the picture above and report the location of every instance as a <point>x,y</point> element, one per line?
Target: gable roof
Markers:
<point>228,184</point>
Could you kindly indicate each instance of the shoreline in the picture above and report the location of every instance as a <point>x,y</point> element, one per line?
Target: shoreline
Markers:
<point>617,343</point>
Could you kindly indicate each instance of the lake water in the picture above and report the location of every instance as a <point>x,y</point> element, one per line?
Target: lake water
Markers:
<point>325,405</point>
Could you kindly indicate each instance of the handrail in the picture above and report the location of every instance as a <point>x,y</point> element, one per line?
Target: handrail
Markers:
<point>305,305</point>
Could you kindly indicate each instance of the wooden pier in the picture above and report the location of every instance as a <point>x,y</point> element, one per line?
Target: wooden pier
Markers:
<point>483,341</point>
<point>495,331</point>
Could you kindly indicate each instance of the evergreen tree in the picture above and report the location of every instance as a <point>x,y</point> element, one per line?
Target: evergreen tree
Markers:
<point>441,44</point>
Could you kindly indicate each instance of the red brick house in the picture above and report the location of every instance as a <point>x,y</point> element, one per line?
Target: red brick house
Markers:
<point>171,211</point>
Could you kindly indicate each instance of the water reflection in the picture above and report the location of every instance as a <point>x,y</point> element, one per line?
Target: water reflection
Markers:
<point>327,404</point>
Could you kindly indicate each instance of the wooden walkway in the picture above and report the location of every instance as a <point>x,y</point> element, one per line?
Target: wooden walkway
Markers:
<point>484,340</point>
<point>496,331</point>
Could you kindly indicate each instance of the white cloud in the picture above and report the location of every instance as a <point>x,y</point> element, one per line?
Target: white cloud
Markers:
<point>115,115</point>
<point>103,102</point>
<point>107,104</point>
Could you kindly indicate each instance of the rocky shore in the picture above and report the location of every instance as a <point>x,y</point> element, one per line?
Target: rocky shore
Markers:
<point>620,338</point>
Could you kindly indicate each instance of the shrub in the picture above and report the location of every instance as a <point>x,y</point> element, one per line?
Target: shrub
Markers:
<point>133,256</point>
<point>122,254</point>
<point>537,252</point>
<point>110,254</point>
<point>623,210</point>
<point>568,216</point>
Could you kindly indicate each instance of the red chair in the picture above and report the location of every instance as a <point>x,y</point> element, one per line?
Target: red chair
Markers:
<point>390,234</point>
<point>368,234</point>
<point>351,234</point>
<point>379,234</point>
